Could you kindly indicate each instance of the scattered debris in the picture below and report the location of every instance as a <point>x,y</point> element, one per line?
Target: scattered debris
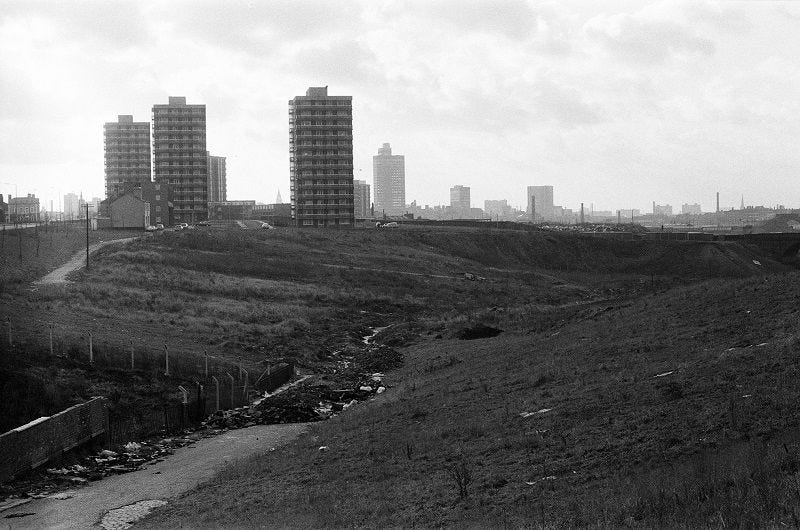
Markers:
<point>756,262</point>
<point>323,448</point>
<point>529,414</point>
<point>665,374</point>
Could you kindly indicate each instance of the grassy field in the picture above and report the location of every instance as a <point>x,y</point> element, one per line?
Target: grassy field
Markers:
<point>634,383</point>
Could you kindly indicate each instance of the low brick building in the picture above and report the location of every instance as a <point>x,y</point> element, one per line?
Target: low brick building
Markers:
<point>125,211</point>
<point>24,209</point>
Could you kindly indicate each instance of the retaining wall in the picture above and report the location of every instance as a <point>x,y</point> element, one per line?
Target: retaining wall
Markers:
<point>35,443</point>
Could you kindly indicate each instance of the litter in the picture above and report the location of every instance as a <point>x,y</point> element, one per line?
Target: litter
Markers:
<point>529,414</point>
<point>381,390</point>
<point>757,262</point>
<point>365,388</point>
<point>323,448</point>
<point>665,374</point>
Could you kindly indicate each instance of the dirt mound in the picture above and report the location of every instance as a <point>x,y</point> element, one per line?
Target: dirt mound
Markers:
<point>576,252</point>
<point>789,222</point>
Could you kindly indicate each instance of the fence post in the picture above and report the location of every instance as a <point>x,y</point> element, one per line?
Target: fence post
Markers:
<point>166,360</point>
<point>131,354</point>
<point>50,328</point>
<point>233,383</point>
<point>201,401</point>
<point>91,351</point>
<point>216,384</point>
<point>184,405</point>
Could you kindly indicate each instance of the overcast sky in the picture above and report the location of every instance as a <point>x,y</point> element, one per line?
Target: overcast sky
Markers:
<point>614,103</point>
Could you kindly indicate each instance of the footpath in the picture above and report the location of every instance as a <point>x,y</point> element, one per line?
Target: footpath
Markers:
<point>117,501</point>
<point>78,260</point>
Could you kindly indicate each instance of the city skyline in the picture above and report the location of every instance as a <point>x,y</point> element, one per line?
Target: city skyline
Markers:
<point>619,103</point>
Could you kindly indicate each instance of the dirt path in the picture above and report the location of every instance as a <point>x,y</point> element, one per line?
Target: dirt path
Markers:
<point>184,470</point>
<point>78,260</point>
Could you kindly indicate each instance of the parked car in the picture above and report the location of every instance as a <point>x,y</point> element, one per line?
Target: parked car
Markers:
<point>267,226</point>
<point>159,226</point>
<point>177,227</point>
<point>150,228</point>
<point>184,225</point>
<point>204,223</point>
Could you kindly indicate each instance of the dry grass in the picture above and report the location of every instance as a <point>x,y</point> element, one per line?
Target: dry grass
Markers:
<point>619,445</point>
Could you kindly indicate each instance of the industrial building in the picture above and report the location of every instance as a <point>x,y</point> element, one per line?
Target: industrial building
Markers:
<point>127,153</point>
<point>540,202</point>
<point>389,178</point>
<point>180,157</point>
<point>321,159</point>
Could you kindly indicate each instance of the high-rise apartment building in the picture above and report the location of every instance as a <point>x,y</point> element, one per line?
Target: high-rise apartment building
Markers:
<point>180,159</point>
<point>321,158</point>
<point>361,203</point>
<point>459,199</point>
<point>389,178</point>
<point>127,153</point>
<point>540,202</point>
<point>217,184</point>
<point>71,206</point>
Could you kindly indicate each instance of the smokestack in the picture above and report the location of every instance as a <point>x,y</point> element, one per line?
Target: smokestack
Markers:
<point>581,213</point>
<point>654,207</point>
<point>717,202</point>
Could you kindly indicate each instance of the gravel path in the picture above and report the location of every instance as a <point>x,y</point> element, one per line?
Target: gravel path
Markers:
<point>188,467</point>
<point>78,260</point>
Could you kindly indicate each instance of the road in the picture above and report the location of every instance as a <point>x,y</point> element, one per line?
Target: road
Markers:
<point>78,260</point>
<point>187,468</point>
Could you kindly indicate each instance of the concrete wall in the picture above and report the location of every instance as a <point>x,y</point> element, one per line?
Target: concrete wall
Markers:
<point>31,445</point>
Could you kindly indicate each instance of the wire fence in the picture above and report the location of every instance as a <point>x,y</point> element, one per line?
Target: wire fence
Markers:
<point>202,383</point>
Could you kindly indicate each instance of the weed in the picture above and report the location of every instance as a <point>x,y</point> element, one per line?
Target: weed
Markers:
<point>461,473</point>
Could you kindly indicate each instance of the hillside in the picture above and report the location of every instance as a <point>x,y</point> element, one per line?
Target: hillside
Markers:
<point>612,418</point>
<point>269,296</point>
<point>610,411</point>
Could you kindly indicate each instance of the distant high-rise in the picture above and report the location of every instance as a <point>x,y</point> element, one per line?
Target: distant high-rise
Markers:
<point>361,197</point>
<point>278,199</point>
<point>543,195</point>
<point>321,158</point>
<point>389,178</point>
<point>179,154</point>
<point>127,153</point>
<point>71,205</point>
<point>217,185</point>
<point>459,199</point>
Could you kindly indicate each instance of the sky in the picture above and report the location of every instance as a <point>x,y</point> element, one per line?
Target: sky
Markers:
<point>613,103</point>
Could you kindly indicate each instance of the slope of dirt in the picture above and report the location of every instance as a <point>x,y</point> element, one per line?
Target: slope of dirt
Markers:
<point>580,424</point>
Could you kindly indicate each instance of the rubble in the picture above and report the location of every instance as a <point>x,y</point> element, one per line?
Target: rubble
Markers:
<point>92,467</point>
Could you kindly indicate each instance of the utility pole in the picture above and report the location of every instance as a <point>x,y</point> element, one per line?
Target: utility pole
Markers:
<point>87,236</point>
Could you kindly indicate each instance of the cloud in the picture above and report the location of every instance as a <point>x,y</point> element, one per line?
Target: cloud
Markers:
<point>343,61</point>
<point>643,39</point>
